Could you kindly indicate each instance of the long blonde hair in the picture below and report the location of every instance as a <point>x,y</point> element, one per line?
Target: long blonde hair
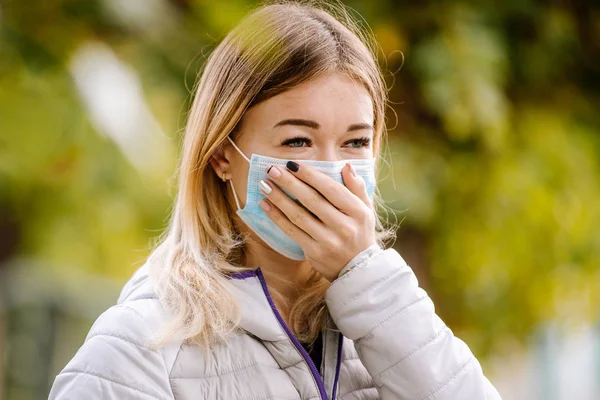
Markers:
<point>276,47</point>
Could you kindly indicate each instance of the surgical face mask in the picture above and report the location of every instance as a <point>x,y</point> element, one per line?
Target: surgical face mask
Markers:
<point>256,219</point>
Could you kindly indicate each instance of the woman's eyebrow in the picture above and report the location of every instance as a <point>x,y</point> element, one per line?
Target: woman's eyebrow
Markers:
<point>315,125</point>
<point>358,127</point>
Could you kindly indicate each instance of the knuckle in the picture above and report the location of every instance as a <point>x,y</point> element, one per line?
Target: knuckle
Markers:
<point>285,180</point>
<point>350,232</point>
<point>305,172</point>
<point>362,209</point>
<point>326,246</point>
<point>289,180</point>
<point>313,199</point>
<point>342,192</point>
<point>298,217</point>
<point>336,245</point>
<point>316,250</point>
<point>343,229</point>
<point>364,214</point>
<point>289,230</point>
<point>275,216</point>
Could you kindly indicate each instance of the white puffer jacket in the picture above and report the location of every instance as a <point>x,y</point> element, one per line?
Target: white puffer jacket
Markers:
<point>385,342</point>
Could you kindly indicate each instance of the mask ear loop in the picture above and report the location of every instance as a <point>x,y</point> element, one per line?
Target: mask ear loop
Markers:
<point>238,150</point>
<point>237,202</point>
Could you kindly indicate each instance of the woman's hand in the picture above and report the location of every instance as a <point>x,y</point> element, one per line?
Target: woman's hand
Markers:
<point>343,223</point>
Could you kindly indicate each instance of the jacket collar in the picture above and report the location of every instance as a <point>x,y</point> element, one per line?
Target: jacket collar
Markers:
<point>258,316</point>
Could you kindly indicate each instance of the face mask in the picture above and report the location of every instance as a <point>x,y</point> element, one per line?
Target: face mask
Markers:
<point>256,219</point>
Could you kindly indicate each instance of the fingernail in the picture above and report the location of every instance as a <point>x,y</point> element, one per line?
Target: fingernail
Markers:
<point>274,172</point>
<point>265,187</point>
<point>292,166</point>
<point>352,170</point>
<point>264,205</point>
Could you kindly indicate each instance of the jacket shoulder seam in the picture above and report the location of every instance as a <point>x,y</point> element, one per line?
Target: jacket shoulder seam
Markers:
<point>105,331</point>
<point>123,338</point>
<point>219,373</point>
<point>127,305</point>
<point>96,375</point>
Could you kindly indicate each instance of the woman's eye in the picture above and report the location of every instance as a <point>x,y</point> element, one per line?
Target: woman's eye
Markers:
<point>307,142</point>
<point>297,142</point>
<point>359,143</point>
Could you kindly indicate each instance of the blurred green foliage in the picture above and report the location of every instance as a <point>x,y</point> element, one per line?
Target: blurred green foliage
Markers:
<point>492,163</point>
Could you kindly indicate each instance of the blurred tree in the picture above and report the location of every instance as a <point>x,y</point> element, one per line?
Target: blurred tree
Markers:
<point>493,151</point>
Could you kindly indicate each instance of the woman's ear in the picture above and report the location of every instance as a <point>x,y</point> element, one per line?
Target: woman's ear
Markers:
<point>221,164</point>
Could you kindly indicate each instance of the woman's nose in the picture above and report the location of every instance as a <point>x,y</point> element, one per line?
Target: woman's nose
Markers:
<point>329,154</point>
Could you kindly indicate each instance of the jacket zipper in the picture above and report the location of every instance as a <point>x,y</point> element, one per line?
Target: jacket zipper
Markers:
<point>311,365</point>
<point>337,367</point>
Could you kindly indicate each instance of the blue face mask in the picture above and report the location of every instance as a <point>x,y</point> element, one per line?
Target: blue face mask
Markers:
<point>256,219</point>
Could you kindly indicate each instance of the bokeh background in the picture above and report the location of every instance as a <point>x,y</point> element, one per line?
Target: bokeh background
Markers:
<point>492,169</point>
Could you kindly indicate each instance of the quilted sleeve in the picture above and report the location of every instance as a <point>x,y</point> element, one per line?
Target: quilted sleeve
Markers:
<point>114,362</point>
<point>405,346</point>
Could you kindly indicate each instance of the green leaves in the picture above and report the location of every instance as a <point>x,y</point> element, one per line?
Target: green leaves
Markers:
<point>493,165</point>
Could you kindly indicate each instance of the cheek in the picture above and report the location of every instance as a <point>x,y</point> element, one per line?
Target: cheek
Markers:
<point>357,153</point>
<point>266,145</point>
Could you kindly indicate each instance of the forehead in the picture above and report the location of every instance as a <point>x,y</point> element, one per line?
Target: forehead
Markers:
<point>332,100</point>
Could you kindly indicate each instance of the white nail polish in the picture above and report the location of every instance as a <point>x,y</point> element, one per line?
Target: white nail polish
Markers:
<point>264,186</point>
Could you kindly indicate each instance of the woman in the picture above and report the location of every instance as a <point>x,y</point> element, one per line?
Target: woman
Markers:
<point>271,281</point>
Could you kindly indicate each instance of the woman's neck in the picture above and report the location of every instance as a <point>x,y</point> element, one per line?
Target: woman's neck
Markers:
<point>285,276</point>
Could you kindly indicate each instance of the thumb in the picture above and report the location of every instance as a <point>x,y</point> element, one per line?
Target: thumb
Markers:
<point>355,183</point>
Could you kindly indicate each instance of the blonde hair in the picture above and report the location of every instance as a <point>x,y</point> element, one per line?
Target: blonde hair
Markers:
<point>273,49</point>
